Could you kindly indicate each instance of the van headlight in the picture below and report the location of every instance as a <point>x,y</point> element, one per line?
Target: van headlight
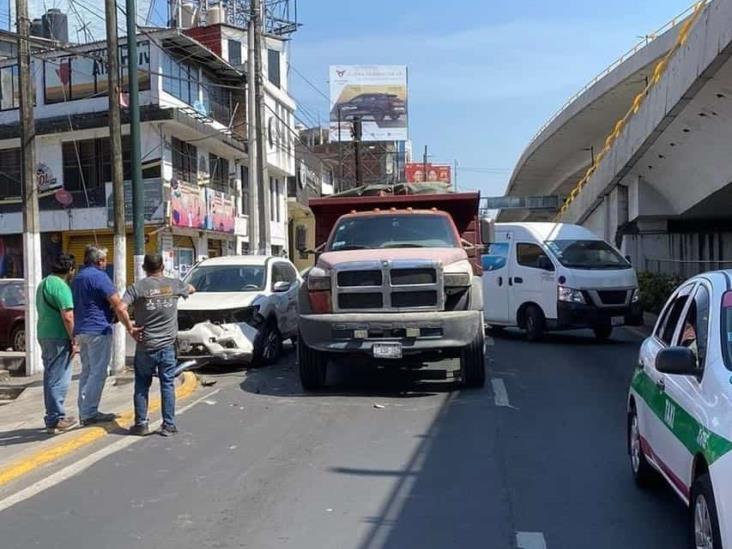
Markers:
<point>636,296</point>
<point>570,295</point>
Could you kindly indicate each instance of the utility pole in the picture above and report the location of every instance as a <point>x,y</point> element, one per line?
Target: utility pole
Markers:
<point>455,175</point>
<point>118,183</point>
<point>31,222</point>
<point>357,132</point>
<point>424,164</point>
<point>138,192</point>
<point>257,21</point>
<point>253,174</point>
<point>340,153</point>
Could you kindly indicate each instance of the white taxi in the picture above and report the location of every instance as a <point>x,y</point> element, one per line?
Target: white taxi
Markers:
<point>680,406</point>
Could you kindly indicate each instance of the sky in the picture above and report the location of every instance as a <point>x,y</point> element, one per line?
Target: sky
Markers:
<point>484,75</point>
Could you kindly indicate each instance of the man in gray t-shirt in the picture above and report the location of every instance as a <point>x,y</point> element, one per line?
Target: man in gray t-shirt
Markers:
<point>155,303</point>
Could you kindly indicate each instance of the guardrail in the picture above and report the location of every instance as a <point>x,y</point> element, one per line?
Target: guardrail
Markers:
<point>684,268</point>
<point>615,64</point>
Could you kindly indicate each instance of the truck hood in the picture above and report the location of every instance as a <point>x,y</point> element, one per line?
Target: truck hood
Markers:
<point>215,301</point>
<point>599,279</point>
<point>446,256</point>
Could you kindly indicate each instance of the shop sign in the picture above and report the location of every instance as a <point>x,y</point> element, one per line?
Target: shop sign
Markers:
<point>154,207</point>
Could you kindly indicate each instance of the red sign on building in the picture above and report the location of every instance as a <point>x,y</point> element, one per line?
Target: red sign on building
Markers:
<point>415,173</point>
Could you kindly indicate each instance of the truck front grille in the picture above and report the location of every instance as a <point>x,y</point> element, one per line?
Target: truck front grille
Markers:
<point>404,285</point>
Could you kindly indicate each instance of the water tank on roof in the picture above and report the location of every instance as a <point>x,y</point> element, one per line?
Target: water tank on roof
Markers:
<point>216,15</point>
<point>56,25</point>
<point>37,28</point>
<point>188,12</point>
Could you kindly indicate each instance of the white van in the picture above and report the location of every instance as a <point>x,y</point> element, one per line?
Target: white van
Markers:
<point>553,276</point>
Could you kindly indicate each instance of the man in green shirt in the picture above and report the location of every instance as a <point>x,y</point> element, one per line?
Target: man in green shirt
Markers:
<point>56,337</point>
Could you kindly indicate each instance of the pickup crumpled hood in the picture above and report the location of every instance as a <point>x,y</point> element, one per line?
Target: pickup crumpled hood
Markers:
<point>214,301</point>
<point>446,255</point>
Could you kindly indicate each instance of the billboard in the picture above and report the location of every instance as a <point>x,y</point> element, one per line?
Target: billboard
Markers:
<point>415,172</point>
<point>376,94</point>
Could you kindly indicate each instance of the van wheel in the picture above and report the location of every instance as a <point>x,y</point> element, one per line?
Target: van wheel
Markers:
<point>643,474</point>
<point>472,362</point>
<point>705,532</point>
<point>535,323</point>
<point>603,331</point>
<point>313,366</point>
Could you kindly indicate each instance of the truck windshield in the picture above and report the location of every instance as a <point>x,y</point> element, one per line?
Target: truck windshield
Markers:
<point>227,278</point>
<point>587,254</point>
<point>393,231</point>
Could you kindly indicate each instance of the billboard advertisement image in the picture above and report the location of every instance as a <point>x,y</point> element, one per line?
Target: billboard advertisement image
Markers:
<point>376,94</point>
<point>415,173</point>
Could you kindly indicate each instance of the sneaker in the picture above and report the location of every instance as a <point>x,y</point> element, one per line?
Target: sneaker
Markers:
<point>99,418</point>
<point>168,430</point>
<point>63,424</point>
<point>140,430</point>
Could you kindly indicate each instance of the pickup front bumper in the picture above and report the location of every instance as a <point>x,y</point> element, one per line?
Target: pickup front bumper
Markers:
<point>419,332</point>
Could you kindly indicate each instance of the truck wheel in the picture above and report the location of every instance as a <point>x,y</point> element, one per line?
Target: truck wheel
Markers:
<point>313,366</point>
<point>704,521</point>
<point>603,331</point>
<point>535,323</point>
<point>268,346</point>
<point>472,363</point>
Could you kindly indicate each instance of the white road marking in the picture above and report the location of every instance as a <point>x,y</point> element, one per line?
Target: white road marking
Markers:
<point>500,394</point>
<point>530,540</point>
<point>64,474</point>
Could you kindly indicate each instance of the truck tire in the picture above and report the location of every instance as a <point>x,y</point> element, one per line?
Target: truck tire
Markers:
<point>535,323</point>
<point>472,362</point>
<point>603,331</point>
<point>313,366</point>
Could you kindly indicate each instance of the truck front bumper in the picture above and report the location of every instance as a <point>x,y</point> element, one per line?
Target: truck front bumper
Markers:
<point>421,332</point>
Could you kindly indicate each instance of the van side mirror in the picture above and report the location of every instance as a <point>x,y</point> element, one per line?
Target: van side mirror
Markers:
<point>544,263</point>
<point>487,230</point>
<point>677,361</point>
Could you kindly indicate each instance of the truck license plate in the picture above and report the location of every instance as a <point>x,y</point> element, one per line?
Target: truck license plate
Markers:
<point>618,320</point>
<point>387,350</point>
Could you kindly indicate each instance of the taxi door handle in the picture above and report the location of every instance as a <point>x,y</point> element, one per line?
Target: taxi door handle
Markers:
<point>661,384</point>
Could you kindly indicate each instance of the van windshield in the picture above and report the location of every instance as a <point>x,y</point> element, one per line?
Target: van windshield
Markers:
<point>393,231</point>
<point>587,254</point>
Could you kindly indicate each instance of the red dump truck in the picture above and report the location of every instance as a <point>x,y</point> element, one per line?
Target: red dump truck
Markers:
<point>396,280</point>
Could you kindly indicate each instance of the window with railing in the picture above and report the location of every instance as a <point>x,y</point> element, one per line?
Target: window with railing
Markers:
<point>219,173</point>
<point>185,161</point>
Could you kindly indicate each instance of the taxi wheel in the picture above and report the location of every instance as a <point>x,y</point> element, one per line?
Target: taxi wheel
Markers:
<point>643,474</point>
<point>705,532</point>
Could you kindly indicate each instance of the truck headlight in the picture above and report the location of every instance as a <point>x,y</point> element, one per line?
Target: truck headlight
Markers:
<point>318,280</point>
<point>636,296</point>
<point>570,295</point>
<point>453,280</point>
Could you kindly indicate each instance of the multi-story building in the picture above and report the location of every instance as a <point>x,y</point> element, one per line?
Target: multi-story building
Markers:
<point>195,165</point>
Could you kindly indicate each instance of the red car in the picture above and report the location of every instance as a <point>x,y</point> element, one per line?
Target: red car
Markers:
<point>12,314</point>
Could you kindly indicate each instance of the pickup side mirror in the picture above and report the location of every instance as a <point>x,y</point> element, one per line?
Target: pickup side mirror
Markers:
<point>281,286</point>
<point>677,361</point>
<point>487,230</point>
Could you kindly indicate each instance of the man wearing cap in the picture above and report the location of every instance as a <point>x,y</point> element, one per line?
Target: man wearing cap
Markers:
<point>155,302</point>
<point>96,302</point>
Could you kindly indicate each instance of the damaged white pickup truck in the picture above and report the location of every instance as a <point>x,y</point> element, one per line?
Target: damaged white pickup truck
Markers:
<point>243,309</point>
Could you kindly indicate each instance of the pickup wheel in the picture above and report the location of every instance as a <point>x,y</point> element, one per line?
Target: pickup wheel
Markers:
<point>268,346</point>
<point>472,362</point>
<point>313,366</point>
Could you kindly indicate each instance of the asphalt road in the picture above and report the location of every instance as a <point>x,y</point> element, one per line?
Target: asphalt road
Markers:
<point>378,462</point>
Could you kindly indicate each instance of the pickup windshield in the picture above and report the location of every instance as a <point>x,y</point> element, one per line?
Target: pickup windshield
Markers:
<point>587,254</point>
<point>393,231</point>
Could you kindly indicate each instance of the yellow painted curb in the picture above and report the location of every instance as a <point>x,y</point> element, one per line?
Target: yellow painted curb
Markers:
<point>86,436</point>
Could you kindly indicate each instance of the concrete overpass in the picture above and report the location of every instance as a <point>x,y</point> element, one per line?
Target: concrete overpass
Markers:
<point>662,189</point>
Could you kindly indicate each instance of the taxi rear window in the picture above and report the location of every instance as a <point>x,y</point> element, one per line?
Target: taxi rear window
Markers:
<point>727,329</point>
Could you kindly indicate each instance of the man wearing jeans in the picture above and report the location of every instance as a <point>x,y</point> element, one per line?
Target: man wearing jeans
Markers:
<point>155,302</point>
<point>96,301</point>
<point>55,307</point>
